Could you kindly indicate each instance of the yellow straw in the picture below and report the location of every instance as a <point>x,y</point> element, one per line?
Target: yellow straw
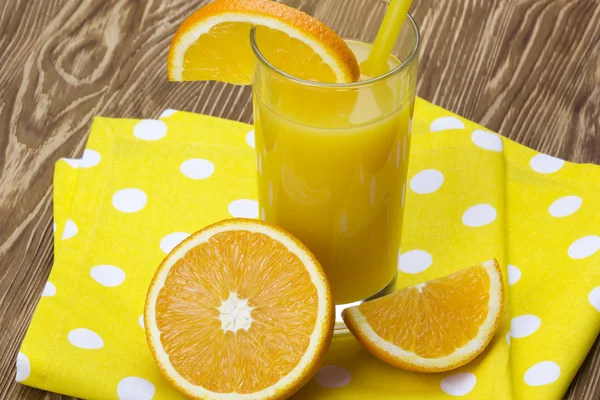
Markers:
<point>386,38</point>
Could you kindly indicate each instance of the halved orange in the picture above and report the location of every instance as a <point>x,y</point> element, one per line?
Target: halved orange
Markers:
<point>434,326</point>
<point>239,310</point>
<point>214,44</point>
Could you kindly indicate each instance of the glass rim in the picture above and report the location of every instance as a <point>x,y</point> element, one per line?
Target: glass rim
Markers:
<point>345,85</point>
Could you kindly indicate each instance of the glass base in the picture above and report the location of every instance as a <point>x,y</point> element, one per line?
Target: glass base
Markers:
<point>340,326</point>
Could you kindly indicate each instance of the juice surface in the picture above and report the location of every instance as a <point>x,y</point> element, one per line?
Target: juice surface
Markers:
<point>333,174</point>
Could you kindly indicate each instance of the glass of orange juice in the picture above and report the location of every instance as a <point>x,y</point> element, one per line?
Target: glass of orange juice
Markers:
<point>332,157</point>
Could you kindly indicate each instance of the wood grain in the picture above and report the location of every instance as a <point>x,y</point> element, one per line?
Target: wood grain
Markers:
<point>529,69</point>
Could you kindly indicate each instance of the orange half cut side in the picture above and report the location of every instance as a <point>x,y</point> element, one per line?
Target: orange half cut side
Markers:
<point>241,310</point>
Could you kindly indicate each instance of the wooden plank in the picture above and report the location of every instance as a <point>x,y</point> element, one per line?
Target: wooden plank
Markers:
<point>528,69</point>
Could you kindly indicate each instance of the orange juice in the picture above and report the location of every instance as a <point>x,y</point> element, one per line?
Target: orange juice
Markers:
<point>332,164</point>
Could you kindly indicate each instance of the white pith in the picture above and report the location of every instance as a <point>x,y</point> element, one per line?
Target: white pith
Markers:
<point>235,314</point>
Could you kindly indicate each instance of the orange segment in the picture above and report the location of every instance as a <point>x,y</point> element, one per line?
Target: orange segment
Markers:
<point>214,44</point>
<point>240,307</point>
<point>434,326</point>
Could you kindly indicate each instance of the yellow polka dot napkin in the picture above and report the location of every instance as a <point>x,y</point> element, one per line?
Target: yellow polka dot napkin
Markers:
<point>144,185</point>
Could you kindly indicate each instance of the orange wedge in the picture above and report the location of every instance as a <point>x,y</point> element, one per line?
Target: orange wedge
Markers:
<point>435,326</point>
<point>240,310</point>
<point>214,44</point>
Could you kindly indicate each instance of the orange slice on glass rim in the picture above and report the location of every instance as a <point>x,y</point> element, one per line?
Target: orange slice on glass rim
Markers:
<point>214,44</point>
<point>434,326</point>
<point>241,310</point>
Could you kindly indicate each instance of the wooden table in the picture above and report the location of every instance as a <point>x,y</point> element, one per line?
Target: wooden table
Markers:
<point>529,69</point>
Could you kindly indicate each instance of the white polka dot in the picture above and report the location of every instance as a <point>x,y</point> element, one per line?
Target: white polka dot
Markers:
<point>524,325</point>
<point>85,339</point>
<point>446,123</point>
<point>545,164</point>
<point>427,181</point>
<point>129,200</point>
<point>91,158</point>
<point>584,247</point>
<point>141,321</point>
<point>150,129</point>
<point>487,140</point>
<point>414,261</point>
<point>49,290</point>
<point>508,338</point>
<point>244,208</point>
<point>343,223</point>
<point>373,191</point>
<point>134,388</point>
<point>73,162</point>
<point>250,138</point>
<point>169,242</point>
<point>565,206</point>
<point>594,298</point>
<point>23,367</point>
<point>542,373</point>
<point>108,275</point>
<point>514,274</point>
<point>459,384</point>
<point>332,376</point>
<point>70,230</point>
<point>167,113</point>
<point>197,168</point>
<point>479,215</point>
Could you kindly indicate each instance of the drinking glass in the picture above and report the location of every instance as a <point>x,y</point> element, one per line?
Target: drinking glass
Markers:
<point>332,157</point>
